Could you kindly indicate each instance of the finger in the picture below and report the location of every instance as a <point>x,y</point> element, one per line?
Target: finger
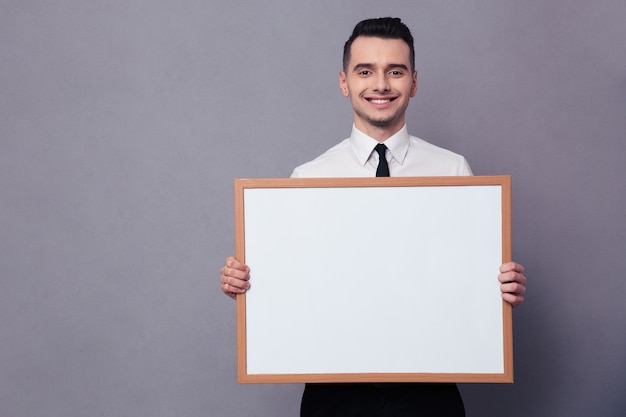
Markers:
<point>513,288</point>
<point>235,274</point>
<point>512,277</point>
<point>236,269</point>
<point>230,294</point>
<point>231,290</point>
<point>513,299</point>
<point>512,266</point>
<point>234,283</point>
<point>233,263</point>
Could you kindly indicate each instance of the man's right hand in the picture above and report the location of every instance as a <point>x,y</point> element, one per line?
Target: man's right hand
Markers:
<point>235,277</point>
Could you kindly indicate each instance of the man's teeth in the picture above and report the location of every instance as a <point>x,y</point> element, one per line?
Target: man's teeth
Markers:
<point>380,101</point>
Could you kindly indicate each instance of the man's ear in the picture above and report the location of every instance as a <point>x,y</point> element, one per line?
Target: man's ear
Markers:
<point>414,87</point>
<point>343,85</point>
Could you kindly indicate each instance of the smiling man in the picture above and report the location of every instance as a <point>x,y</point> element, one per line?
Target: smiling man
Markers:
<point>379,78</point>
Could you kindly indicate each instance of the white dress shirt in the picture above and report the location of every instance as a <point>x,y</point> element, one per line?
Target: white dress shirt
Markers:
<point>407,156</point>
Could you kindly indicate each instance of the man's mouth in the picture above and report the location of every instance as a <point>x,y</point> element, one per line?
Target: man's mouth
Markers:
<point>380,100</point>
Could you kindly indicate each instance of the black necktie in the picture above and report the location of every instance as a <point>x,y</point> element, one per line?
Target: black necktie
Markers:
<point>383,168</point>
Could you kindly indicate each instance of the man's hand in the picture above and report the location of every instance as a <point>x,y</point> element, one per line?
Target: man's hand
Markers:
<point>234,277</point>
<point>512,283</point>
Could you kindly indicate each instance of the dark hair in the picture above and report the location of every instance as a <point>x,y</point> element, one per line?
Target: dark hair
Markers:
<point>382,27</point>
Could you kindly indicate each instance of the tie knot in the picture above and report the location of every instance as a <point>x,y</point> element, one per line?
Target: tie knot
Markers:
<point>381,148</point>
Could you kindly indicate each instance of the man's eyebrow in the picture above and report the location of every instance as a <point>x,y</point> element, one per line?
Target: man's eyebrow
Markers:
<point>400,66</point>
<point>362,66</point>
<point>358,67</point>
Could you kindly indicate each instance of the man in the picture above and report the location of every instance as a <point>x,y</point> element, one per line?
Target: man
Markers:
<point>379,78</point>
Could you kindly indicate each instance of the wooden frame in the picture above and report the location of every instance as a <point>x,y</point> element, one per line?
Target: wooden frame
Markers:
<point>428,311</point>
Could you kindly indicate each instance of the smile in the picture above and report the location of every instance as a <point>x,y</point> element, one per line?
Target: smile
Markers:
<point>380,100</point>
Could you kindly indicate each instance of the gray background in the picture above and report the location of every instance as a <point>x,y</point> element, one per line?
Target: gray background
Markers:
<point>123,124</point>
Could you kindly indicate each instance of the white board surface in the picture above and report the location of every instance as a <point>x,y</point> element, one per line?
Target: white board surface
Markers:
<point>354,280</point>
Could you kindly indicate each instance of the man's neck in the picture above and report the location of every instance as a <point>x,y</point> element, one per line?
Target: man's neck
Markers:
<point>381,134</point>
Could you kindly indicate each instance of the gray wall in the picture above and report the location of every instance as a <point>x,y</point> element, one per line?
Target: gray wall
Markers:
<point>123,124</point>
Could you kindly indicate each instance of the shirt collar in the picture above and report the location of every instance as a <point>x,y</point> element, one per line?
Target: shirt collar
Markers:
<point>363,145</point>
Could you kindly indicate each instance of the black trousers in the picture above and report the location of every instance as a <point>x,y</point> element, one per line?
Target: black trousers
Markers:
<point>381,400</point>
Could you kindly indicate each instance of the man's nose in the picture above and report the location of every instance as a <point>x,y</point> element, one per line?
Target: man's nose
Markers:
<point>381,82</point>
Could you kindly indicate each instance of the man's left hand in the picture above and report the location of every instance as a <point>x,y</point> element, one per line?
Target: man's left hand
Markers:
<point>512,283</point>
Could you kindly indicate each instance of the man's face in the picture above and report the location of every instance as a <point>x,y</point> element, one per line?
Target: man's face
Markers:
<point>379,82</point>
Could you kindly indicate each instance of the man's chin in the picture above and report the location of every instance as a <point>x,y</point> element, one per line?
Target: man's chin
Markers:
<point>380,122</point>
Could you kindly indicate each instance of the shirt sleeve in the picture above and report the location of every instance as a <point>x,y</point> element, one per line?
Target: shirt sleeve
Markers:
<point>465,169</point>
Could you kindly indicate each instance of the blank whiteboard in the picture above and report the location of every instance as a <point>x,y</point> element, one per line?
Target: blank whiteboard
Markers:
<point>373,280</point>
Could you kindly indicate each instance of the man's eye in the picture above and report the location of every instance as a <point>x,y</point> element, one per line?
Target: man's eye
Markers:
<point>396,73</point>
<point>365,72</point>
